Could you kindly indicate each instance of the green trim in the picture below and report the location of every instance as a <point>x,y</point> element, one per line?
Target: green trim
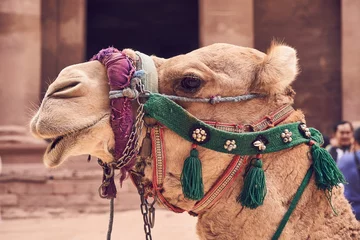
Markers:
<point>181,122</point>
<point>293,203</point>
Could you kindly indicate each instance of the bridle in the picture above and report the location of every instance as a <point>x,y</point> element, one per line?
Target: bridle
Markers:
<point>224,181</point>
<point>138,82</point>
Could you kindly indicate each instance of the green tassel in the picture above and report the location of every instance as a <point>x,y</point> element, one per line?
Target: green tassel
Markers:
<point>254,190</point>
<point>191,177</point>
<point>327,174</point>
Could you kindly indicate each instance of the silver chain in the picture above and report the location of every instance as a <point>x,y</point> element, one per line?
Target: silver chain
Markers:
<point>132,145</point>
<point>131,150</point>
<point>145,212</point>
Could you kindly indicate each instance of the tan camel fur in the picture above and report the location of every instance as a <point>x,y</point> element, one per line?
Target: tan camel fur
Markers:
<point>76,106</point>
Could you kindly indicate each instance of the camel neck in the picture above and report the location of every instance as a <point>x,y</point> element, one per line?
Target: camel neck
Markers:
<point>262,222</point>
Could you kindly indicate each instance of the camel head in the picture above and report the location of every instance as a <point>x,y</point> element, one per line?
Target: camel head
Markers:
<point>75,112</point>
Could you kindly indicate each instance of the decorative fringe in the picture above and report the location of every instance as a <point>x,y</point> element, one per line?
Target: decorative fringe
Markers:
<point>191,176</point>
<point>327,174</point>
<point>254,189</point>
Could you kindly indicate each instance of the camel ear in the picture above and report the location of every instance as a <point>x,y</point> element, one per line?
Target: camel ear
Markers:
<point>130,53</point>
<point>277,71</point>
<point>158,61</point>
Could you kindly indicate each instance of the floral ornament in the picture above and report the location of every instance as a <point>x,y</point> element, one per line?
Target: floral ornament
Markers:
<point>286,136</point>
<point>199,135</point>
<point>230,145</point>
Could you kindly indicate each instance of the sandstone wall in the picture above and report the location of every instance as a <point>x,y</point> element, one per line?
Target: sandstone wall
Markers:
<point>314,29</point>
<point>31,191</point>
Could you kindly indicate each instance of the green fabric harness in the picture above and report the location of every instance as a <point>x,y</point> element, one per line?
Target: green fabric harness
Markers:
<point>174,117</point>
<point>182,123</point>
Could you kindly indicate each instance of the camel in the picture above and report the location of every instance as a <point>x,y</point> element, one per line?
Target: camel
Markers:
<point>75,114</point>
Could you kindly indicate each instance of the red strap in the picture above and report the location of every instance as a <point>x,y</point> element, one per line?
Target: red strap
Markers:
<point>159,160</point>
<point>222,183</point>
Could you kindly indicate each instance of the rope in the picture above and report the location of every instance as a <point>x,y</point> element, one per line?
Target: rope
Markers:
<point>216,99</point>
<point>111,219</point>
<point>133,93</point>
<point>293,203</point>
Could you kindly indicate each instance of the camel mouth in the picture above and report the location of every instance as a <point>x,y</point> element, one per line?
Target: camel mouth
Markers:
<point>60,147</point>
<point>55,142</point>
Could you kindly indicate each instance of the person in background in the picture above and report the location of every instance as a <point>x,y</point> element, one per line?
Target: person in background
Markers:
<point>342,140</point>
<point>349,165</point>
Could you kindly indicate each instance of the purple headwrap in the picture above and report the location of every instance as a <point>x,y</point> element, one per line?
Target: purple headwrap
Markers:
<point>120,69</point>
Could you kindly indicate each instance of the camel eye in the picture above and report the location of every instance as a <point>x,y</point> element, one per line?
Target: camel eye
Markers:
<point>191,83</point>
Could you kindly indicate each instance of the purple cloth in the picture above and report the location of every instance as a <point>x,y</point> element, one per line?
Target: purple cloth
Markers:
<point>119,71</point>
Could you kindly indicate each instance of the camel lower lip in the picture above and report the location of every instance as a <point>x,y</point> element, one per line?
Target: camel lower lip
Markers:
<point>55,142</point>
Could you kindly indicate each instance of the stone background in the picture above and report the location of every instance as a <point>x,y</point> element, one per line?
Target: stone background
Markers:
<point>31,191</point>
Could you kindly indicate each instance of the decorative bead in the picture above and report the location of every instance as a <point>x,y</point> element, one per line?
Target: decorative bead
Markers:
<point>260,145</point>
<point>230,145</point>
<point>286,136</point>
<point>199,135</point>
<point>305,130</point>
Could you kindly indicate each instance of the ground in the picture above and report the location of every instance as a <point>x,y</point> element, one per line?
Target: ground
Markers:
<point>127,225</point>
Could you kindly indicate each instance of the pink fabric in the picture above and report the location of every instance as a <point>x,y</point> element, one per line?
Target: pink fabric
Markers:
<point>119,71</point>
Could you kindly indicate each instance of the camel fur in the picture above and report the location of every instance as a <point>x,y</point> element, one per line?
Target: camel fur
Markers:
<point>76,106</point>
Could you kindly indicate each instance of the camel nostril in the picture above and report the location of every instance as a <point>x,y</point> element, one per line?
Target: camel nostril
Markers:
<point>65,90</point>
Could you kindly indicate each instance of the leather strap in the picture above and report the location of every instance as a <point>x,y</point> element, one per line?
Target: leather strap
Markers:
<point>222,184</point>
<point>268,121</point>
<point>273,118</point>
<point>159,167</point>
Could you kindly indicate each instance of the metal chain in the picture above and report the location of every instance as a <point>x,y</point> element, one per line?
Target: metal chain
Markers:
<point>131,150</point>
<point>145,212</point>
<point>133,146</point>
<point>151,211</point>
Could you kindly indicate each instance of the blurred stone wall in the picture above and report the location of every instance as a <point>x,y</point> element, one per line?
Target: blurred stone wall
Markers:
<point>350,60</point>
<point>313,28</point>
<point>31,191</point>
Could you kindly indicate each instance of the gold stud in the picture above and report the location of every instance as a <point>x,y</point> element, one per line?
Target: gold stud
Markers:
<point>199,135</point>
